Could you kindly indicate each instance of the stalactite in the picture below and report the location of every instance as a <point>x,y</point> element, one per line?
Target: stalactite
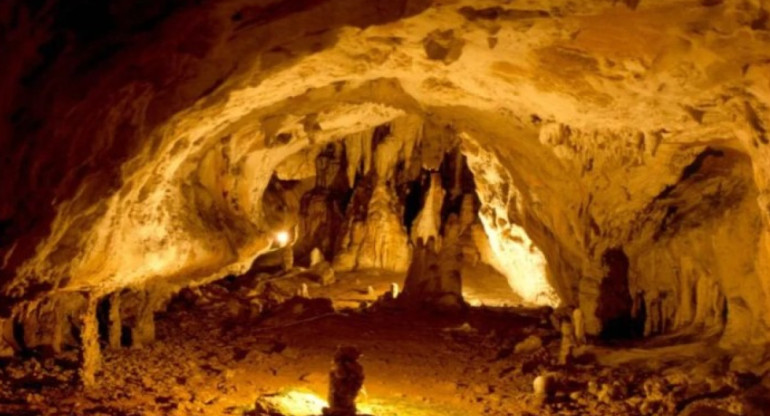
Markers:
<point>353,154</point>
<point>428,222</point>
<point>408,130</point>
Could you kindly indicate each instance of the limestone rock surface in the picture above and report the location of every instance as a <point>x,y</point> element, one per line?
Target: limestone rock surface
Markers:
<point>140,151</point>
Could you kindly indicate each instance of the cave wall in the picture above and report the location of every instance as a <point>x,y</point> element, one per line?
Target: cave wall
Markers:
<point>138,141</point>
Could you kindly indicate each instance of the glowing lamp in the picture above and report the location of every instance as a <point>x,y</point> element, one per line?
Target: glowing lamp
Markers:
<point>282,237</point>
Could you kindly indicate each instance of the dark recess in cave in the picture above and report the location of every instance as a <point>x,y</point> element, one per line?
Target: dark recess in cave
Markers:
<point>614,303</point>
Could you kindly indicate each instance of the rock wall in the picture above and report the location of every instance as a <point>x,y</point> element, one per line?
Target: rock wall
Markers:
<point>138,141</point>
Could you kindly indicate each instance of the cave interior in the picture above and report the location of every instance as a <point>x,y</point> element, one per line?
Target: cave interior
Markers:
<point>385,207</point>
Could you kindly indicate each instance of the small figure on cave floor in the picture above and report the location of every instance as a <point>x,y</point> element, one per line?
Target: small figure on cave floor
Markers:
<point>345,381</point>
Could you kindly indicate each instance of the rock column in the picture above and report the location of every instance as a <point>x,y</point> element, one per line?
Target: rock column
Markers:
<point>91,353</point>
<point>345,380</point>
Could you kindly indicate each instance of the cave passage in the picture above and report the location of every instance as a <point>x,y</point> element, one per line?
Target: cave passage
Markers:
<point>384,208</point>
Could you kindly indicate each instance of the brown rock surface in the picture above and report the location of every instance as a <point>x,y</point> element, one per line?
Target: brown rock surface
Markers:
<point>138,143</point>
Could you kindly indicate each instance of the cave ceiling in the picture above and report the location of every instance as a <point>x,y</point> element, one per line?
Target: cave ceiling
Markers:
<point>138,142</point>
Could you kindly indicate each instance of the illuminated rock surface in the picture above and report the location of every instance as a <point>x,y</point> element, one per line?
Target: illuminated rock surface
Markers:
<point>607,156</point>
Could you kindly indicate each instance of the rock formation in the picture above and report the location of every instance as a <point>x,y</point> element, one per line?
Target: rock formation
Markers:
<point>164,147</point>
<point>345,380</point>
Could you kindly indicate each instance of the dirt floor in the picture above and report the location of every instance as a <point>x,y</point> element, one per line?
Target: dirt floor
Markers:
<point>220,358</point>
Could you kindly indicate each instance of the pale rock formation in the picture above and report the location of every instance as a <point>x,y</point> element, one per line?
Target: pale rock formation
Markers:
<point>385,244</point>
<point>428,222</point>
<point>316,257</point>
<point>514,253</point>
<point>394,290</point>
<point>544,388</point>
<point>358,150</point>
<point>380,242</point>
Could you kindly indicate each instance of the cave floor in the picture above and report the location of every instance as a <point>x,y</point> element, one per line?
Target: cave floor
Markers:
<point>212,361</point>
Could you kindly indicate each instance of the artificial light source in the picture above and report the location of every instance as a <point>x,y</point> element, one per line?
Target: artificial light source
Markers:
<point>282,237</point>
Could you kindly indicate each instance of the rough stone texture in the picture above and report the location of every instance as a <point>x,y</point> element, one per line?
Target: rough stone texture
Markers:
<point>380,242</point>
<point>144,329</point>
<point>434,276</point>
<point>91,361</point>
<point>140,150</point>
<point>428,222</point>
<point>320,220</point>
<point>345,380</point>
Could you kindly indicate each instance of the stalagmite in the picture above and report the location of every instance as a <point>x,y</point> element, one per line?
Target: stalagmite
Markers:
<point>379,242</point>
<point>567,347</point>
<point>542,386</point>
<point>316,257</point>
<point>91,360</point>
<point>303,291</point>
<point>394,290</point>
<point>345,380</point>
<point>579,323</point>
<point>114,325</point>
